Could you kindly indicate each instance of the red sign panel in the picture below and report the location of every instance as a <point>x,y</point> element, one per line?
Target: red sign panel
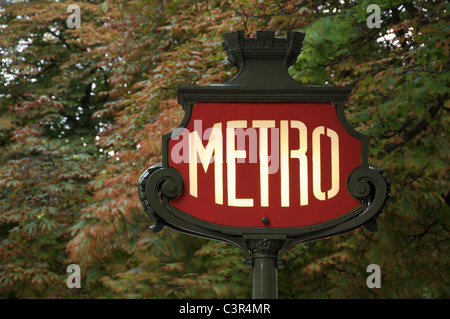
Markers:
<point>264,164</point>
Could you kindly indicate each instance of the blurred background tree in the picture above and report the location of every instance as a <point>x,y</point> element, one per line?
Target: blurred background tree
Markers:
<point>82,112</point>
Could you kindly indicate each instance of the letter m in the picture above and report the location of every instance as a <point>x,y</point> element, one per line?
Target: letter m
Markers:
<point>198,152</point>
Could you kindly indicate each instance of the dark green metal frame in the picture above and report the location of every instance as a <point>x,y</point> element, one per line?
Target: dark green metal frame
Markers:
<point>263,77</point>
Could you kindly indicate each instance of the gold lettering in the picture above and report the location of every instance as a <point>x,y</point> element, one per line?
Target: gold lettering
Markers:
<point>232,155</point>
<point>317,178</point>
<point>215,145</point>
<point>300,153</point>
<point>317,187</point>
<point>264,159</point>
<point>284,162</point>
<point>334,163</point>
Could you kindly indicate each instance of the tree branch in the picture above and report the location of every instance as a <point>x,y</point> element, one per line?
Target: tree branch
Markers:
<point>419,127</point>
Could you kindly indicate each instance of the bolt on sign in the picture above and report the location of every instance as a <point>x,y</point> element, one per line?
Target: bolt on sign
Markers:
<point>264,162</point>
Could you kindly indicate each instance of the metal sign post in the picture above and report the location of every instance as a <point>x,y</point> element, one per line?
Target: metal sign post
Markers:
<point>263,162</point>
<point>265,266</point>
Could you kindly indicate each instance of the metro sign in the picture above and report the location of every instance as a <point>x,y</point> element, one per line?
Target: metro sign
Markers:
<point>262,161</point>
<point>287,166</point>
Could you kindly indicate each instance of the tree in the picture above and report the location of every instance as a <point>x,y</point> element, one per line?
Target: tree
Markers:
<point>401,74</point>
<point>47,139</point>
<point>82,113</point>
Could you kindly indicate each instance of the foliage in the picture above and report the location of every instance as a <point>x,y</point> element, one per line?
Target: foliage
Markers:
<point>82,112</point>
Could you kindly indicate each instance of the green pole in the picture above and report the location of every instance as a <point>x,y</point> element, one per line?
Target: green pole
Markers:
<point>264,261</point>
<point>265,278</point>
